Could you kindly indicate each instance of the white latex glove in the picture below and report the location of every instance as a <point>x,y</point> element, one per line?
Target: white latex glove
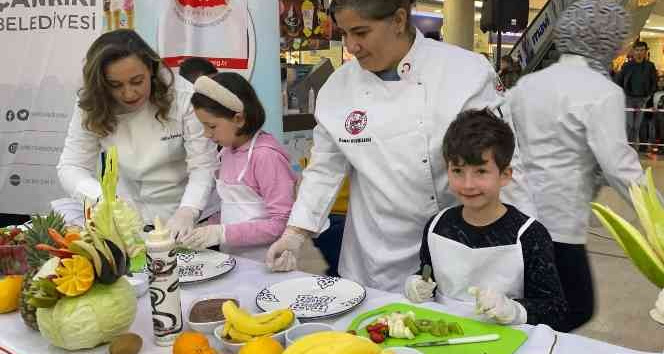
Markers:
<point>182,222</point>
<point>419,290</point>
<point>204,237</point>
<point>88,189</point>
<point>498,307</point>
<point>283,254</point>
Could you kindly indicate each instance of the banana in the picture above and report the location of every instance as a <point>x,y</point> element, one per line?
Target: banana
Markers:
<point>332,342</point>
<point>248,324</point>
<point>239,336</point>
<point>269,316</point>
<point>227,327</point>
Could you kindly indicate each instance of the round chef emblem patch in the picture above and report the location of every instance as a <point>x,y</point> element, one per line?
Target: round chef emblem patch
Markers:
<point>405,68</point>
<point>356,122</point>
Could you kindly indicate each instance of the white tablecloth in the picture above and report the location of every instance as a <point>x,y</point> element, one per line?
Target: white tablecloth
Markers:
<point>245,281</point>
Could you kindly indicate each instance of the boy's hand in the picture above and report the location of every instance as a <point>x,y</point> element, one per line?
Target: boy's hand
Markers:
<point>498,307</point>
<point>418,290</point>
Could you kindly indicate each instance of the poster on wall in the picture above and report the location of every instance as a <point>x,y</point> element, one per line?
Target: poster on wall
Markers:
<point>219,30</point>
<point>118,14</point>
<point>43,46</point>
<point>304,25</point>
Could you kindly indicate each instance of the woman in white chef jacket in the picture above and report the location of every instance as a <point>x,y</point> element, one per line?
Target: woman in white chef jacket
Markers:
<point>130,99</point>
<point>381,119</point>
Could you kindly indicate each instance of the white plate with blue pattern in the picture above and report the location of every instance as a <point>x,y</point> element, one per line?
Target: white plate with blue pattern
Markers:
<point>196,266</point>
<point>313,297</point>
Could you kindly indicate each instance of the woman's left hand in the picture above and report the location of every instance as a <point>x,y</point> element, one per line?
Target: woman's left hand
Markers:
<point>182,222</point>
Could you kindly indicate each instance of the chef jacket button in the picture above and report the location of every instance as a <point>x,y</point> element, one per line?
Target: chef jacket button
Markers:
<point>425,161</point>
<point>432,197</point>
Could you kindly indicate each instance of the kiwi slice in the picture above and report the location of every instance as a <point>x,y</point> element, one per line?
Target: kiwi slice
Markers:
<point>411,325</point>
<point>435,329</point>
<point>455,328</point>
<point>442,328</point>
<point>424,325</point>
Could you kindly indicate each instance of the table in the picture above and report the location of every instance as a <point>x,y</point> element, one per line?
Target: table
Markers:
<point>245,281</point>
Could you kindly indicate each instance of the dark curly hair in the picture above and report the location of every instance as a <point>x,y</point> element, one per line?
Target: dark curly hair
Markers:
<point>475,131</point>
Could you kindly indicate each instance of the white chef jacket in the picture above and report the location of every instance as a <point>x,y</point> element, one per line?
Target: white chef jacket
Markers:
<point>162,165</point>
<point>568,119</point>
<point>388,137</point>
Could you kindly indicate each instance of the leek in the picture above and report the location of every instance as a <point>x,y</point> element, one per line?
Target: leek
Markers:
<point>645,251</point>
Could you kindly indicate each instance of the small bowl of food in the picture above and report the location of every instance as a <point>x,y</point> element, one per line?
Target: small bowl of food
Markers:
<point>205,312</point>
<point>301,330</point>
<point>234,339</point>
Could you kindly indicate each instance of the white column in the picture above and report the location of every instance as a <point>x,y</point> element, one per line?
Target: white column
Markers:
<point>459,22</point>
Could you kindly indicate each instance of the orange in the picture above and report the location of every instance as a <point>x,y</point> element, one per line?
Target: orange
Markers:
<point>75,276</point>
<point>262,345</point>
<point>192,343</point>
<point>10,291</point>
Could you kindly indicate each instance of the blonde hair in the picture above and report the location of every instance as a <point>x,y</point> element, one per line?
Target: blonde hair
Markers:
<point>95,98</point>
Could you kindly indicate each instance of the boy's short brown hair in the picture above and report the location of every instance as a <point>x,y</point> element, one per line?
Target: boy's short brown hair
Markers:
<point>475,131</point>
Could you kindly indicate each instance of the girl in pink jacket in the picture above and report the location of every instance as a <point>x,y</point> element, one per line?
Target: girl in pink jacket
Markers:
<point>254,181</point>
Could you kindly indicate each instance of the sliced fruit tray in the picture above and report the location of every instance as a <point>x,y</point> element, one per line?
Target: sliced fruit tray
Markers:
<point>510,339</point>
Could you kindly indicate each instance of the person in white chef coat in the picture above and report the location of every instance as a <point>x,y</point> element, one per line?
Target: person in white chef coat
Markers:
<point>569,119</point>
<point>381,119</point>
<point>130,99</point>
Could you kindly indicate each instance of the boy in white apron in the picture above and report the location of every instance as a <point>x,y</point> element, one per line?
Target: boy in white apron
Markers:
<point>254,181</point>
<point>484,253</point>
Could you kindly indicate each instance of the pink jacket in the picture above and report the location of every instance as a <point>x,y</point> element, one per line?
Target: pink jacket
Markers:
<point>269,174</point>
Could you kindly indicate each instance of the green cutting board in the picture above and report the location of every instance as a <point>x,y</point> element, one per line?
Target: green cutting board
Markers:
<point>510,339</point>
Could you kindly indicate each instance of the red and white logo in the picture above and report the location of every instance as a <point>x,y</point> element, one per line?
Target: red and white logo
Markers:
<point>356,122</point>
<point>202,3</point>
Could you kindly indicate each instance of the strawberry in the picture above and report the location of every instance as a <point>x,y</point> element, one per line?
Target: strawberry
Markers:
<point>376,337</point>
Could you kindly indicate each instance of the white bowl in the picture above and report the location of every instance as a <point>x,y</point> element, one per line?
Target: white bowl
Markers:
<point>235,347</point>
<point>301,330</point>
<point>208,327</point>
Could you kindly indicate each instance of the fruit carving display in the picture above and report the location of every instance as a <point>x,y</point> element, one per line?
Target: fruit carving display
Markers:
<point>241,326</point>
<point>80,294</point>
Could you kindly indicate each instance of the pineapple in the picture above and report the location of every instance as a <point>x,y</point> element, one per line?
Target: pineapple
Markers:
<point>37,233</point>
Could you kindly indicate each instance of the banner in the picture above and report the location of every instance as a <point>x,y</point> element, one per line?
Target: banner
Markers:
<point>219,30</point>
<point>304,25</point>
<point>44,44</point>
<point>540,31</point>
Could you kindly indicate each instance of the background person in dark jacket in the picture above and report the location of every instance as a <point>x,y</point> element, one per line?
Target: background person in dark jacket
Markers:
<point>638,78</point>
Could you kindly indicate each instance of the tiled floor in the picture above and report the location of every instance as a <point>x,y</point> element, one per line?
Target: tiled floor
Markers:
<point>624,296</point>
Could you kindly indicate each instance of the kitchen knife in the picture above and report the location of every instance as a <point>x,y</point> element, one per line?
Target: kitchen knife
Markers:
<point>460,340</point>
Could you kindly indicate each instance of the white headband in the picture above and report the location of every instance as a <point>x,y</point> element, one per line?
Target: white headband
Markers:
<point>215,91</point>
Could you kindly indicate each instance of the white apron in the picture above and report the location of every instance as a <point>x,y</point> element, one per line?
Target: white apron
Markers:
<point>239,203</point>
<point>458,267</point>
